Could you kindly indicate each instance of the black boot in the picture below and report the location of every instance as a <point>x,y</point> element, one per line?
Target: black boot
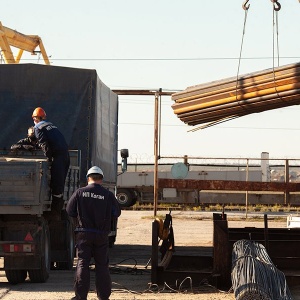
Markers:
<point>56,207</point>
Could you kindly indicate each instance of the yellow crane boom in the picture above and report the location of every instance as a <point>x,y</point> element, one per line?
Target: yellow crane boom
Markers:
<point>9,37</point>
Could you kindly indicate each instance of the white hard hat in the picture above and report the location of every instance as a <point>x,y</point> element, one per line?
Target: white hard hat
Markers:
<point>94,170</point>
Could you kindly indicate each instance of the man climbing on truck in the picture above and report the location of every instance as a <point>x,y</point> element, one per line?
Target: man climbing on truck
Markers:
<point>55,149</point>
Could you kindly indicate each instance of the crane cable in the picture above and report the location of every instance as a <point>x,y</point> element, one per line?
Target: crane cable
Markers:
<point>246,6</point>
<point>275,29</point>
<point>226,119</point>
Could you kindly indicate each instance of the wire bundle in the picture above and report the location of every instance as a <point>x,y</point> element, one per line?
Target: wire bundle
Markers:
<point>235,97</point>
<point>253,274</point>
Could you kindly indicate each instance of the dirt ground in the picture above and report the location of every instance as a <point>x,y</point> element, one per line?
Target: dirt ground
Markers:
<point>130,266</point>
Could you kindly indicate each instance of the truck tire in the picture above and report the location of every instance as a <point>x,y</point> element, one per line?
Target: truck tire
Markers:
<point>42,274</point>
<point>68,265</point>
<point>16,276</point>
<point>125,197</point>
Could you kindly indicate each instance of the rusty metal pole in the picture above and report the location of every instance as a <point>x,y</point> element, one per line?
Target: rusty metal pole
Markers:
<point>156,127</point>
<point>287,180</point>
<point>154,253</point>
<point>266,232</point>
<point>247,179</point>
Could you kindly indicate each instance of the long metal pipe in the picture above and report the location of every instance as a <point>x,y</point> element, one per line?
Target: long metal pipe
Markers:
<point>193,93</point>
<point>238,98</point>
<point>241,112</point>
<point>234,97</point>
<point>280,96</point>
<point>233,92</point>
<point>292,100</point>
<point>243,80</point>
<point>257,104</point>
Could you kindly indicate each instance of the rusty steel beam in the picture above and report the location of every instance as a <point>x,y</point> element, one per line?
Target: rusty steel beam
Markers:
<point>246,104</point>
<point>244,108</point>
<point>228,185</point>
<point>230,84</point>
<point>240,94</point>
<point>235,97</point>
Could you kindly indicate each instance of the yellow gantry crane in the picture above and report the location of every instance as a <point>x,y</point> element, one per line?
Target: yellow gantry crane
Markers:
<point>10,37</point>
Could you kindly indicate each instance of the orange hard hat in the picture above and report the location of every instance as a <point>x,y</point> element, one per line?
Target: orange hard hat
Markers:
<point>39,112</point>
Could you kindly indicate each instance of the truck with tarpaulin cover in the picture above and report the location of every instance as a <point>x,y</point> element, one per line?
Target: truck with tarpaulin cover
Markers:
<point>86,112</point>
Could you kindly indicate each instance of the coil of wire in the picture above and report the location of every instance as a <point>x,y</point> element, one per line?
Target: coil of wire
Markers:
<point>253,274</point>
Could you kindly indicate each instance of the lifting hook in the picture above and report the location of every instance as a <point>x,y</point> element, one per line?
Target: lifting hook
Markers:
<point>275,2</point>
<point>245,6</point>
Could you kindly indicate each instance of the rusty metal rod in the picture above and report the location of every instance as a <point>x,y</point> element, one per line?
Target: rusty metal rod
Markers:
<point>243,81</point>
<point>241,108</point>
<point>237,93</point>
<point>260,93</point>
<point>274,96</point>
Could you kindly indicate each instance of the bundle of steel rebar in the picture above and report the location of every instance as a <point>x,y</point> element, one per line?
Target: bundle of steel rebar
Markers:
<point>253,274</point>
<point>238,96</point>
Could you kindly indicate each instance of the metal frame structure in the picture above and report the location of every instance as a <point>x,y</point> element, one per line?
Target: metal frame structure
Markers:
<point>214,263</point>
<point>12,38</point>
<point>157,94</point>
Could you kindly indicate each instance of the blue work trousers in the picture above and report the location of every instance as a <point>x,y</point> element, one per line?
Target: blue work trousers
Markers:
<point>90,244</point>
<point>59,170</point>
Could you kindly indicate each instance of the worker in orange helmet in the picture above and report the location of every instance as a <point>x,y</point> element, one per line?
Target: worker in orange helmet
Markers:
<point>55,148</point>
<point>39,113</point>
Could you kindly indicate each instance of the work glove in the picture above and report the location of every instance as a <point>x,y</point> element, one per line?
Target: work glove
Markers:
<point>16,147</point>
<point>28,147</point>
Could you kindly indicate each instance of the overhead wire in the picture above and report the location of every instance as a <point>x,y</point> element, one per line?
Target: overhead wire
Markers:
<point>165,59</point>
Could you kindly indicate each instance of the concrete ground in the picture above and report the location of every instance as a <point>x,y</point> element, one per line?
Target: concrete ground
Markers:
<point>129,262</point>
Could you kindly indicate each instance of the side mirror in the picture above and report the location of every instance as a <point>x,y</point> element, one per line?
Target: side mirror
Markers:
<point>124,155</point>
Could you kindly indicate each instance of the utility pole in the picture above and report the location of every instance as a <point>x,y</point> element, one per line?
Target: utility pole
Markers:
<point>156,147</point>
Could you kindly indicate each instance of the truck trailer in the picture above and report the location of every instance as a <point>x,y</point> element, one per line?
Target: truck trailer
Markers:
<point>204,184</point>
<point>86,112</point>
<point>137,184</point>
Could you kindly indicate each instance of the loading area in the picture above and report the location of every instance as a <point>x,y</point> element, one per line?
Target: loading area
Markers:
<point>214,264</point>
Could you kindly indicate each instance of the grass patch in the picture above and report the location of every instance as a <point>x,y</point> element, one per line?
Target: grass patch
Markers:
<point>219,207</point>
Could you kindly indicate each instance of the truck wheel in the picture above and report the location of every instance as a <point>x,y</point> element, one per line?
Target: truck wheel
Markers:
<point>68,265</point>
<point>16,276</point>
<point>125,197</point>
<point>42,274</point>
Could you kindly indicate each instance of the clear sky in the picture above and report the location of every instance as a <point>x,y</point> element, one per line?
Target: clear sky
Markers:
<point>171,44</point>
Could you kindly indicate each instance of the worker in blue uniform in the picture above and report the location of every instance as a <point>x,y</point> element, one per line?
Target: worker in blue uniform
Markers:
<point>55,148</point>
<point>93,208</point>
